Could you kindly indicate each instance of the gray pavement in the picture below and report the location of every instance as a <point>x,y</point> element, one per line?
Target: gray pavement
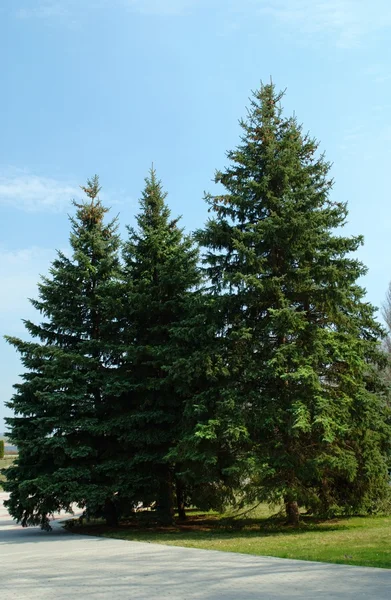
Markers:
<point>36,565</point>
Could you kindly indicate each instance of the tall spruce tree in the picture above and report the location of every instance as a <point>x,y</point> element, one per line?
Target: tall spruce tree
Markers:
<point>71,381</point>
<point>386,371</point>
<point>299,399</point>
<point>161,274</point>
<point>386,312</point>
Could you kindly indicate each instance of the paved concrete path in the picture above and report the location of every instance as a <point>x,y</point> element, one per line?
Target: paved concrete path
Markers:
<point>36,565</point>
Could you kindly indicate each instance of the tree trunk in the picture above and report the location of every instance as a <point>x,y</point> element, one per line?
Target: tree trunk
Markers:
<point>165,505</point>
<point>292,511</point>
<point>110,512</point>
<point>180,498</point>
<point>324,495</point>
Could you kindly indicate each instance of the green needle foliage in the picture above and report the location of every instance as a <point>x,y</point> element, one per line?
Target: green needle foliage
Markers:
<point>161,275</point>
<point>301,402</point>
<point>260,379</point>
<point>71,380</point>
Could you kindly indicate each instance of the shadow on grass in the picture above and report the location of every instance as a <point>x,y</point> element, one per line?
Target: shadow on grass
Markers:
<point>205,527</point>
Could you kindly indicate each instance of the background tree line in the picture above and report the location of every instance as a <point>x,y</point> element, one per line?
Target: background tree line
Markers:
<point>251,369</point>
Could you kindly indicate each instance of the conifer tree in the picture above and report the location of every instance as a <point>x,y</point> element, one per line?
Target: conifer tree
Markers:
<point>71,380</point>
<point>386,371</point>
<point>161,274</point>
<point>298,399</point>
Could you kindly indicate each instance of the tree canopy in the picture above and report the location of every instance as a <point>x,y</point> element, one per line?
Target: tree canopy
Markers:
<point>66,391</point>
<point>259,376</point>
<point>302,401</point>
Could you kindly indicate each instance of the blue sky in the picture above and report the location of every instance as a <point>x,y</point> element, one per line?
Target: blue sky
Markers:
<point>108,86</point>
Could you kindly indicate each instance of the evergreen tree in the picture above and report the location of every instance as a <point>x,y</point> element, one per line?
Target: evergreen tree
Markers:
<point>386,312</point>
<point>71,381</point>
<point>298,399</point>
<point>386,371</point>
<point>211,449</point>
<point>161,275</point>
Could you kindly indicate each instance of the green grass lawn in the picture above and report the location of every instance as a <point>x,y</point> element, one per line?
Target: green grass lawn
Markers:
<point>4,463</point>
<point>355,541</point>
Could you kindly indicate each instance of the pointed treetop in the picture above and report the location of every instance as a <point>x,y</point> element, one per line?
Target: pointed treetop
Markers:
<point>152,202</point>
<point>92,188</point>
<point>153,184</point>
<point>91,213</point>
<point>265,108</point>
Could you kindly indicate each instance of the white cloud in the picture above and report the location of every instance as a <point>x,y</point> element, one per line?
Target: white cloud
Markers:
<point>378,73</point>
<point>26,191</point>
<point>159,7</point>
<point>46,9</point>
<point>348,21</point>
<point>67,10</point>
